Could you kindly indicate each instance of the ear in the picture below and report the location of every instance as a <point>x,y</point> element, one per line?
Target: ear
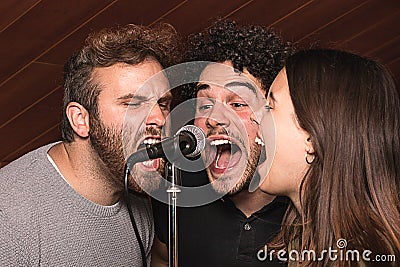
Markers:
<point>309,145</point>
<point>78,118</point>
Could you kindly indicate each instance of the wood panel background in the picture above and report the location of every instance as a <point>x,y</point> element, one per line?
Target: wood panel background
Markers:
<point>37,36</point>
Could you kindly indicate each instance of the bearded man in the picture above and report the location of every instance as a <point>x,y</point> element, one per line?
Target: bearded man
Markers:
<point>230,231</point>
<point>62,204</point>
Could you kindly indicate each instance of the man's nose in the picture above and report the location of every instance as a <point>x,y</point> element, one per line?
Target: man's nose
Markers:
<point>156,117</point>
<point>218,117</point>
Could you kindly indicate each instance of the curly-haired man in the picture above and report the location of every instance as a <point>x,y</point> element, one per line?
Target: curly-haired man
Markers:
<point>62,205</point>
<point>244,60</point>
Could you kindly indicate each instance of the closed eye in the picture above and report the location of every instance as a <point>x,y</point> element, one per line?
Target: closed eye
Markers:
<point>133,104</point>
<point>133,101</point>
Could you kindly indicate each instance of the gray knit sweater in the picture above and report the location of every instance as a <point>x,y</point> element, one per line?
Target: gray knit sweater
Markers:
<point>45,222</point>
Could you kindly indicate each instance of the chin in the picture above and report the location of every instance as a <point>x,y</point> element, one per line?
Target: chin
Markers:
<point>145,182</point>
<point>266,187</point>
<point>229,184</point>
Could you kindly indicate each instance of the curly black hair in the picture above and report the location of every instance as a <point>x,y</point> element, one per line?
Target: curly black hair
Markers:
<point>257,48</point>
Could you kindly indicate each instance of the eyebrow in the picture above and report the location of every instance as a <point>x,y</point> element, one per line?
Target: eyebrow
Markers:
<point>130,96</point>
<point>241,84</point>
<point>202,86</point>
<point>231,84</point>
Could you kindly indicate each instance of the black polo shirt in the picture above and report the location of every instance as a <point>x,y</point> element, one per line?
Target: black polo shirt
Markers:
<point>219,234</point>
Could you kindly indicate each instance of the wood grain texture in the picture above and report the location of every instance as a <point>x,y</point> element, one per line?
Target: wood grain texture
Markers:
<point>37,37</point>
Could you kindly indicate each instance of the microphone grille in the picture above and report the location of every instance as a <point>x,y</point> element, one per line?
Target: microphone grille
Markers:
<point>200,139</point>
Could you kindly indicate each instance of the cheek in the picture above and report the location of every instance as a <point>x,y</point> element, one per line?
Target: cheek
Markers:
<point>111,115</point>
<point>290,147</point>
<point>201,123</point>
<point>288,166</point>
<point>248,125</point>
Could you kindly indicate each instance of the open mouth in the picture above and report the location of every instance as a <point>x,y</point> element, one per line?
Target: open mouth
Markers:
<point>153,164</point>
<point>225,155</point>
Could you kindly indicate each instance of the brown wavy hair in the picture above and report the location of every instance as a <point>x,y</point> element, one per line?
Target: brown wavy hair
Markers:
<point>131,44</point>
<point>350,107</point>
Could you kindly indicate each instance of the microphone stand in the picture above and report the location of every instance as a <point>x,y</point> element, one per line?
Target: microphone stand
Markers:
<point>173,175</point>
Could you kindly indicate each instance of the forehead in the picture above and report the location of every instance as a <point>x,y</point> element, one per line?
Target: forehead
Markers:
<point>223,75</point>
<point>280,84</point>
<point>123,78</point>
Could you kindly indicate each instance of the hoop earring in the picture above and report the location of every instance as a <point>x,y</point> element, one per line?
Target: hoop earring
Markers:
<point>312,159</point>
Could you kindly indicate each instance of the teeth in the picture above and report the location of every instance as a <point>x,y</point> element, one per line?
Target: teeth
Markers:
<point>148,163</point>
<point>151,141</point>
<point>220,142</point>
<point>259,141</point>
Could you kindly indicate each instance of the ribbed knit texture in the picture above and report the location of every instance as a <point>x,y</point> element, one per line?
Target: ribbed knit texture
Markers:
<point>45,222</point>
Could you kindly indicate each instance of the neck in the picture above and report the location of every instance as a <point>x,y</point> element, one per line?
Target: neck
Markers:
<point>296,203</point>
<point>251,202</point>
<point>79,166</point>
<point>295,199</point>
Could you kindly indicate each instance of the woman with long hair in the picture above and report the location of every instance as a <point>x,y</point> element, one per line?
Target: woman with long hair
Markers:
<point>337,157</point>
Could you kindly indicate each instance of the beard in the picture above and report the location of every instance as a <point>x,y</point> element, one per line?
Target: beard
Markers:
<point>107,143</point>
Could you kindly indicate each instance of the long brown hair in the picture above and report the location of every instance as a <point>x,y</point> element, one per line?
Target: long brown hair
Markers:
<point>350,107</point>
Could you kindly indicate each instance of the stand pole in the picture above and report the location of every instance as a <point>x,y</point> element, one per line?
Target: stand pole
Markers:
<point>173,176</point>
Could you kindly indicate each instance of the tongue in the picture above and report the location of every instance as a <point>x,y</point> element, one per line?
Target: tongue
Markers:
<point>222,159</point>
<point>151,164</point>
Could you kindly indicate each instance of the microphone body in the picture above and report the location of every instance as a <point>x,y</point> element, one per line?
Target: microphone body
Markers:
<point>189,141</point>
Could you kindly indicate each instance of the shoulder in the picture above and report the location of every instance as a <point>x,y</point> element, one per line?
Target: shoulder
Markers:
<point>25,174</point>
<point>31,163</point>
<point>22,183</point>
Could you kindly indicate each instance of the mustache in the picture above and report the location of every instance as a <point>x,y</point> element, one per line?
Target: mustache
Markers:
<point>152,131</point>
<point>221,131</point>
<point>132,138</point>
<point>149,131</point>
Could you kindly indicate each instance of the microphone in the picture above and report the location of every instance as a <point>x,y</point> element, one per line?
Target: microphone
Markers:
<point>189,141</point>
